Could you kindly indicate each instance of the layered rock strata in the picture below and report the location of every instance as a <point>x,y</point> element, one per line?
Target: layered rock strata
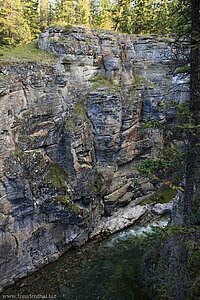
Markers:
<point>71,138</point>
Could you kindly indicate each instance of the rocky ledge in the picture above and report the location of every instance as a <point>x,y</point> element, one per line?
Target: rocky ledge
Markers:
<point>71,139</point>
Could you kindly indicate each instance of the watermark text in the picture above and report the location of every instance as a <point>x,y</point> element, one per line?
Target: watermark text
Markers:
<point>30,296</point>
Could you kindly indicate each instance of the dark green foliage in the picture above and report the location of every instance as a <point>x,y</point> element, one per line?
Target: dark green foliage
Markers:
<point>155,268</point>
<point>151,167</point>
<point>182,125</point>
<point>182,22</point>
<point>144,16</point>
<point>125,283</point>
<point>171,265</point>
<point>75,209</point>
<point>193,247</point>
<point>168,166</point>
<point>151,124</point>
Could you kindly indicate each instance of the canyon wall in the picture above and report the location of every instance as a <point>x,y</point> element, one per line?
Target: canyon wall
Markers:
<point>71,136</point>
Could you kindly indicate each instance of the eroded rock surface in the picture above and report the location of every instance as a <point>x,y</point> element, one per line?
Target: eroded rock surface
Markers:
<point>71,137</point>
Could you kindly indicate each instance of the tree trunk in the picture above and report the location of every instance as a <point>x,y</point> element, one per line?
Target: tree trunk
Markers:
<point>193,136</point>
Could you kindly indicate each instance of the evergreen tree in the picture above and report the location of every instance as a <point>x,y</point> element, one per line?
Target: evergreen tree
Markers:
<point>32,16</point>
<point>105,14</point>
<point>121,16</point>
<point>153,16</point>
<point>65,11</point>
<point>177,275</point>
<point>144,16</point>
<point>141,13</point>
<point>166,16</point>
<point>101,14</point>
<point>44,14</point>
<point>13,26</point>
<point>51,14</point>
<point>192,184</point>
<point>83,11</point>
<point>93,13</point>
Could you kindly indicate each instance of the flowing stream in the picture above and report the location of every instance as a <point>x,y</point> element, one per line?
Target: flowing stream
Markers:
<point>85,273</point>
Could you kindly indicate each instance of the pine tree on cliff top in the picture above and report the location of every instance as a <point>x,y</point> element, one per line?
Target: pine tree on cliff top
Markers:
<point>104,19</point>
<point>65,11</point>
<point>32,16</point>
<point>44,13</point>
<point>13,26</point>
<point>82,12</point>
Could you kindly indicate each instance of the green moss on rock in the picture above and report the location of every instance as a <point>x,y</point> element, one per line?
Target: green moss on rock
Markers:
<point>182,70</point>
<point>162,196</point>
<point>78,113</point>
<point>18,152</point>
<point>139,80</point>
<point>74,208</point>
<point>80,108</point>
<point>70,124</point>
<point>64,199</point>
<point>100,81</point>
<point>97,185</point>
<point>57,176</point>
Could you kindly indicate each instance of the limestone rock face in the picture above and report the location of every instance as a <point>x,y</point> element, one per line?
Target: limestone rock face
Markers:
<point>71,138</point>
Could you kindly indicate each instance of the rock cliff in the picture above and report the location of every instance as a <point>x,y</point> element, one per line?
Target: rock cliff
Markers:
<point>71,137</point>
